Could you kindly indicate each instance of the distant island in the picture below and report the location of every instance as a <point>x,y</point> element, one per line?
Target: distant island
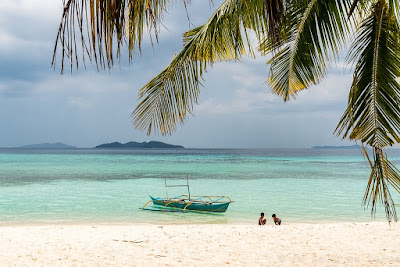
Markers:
<point>336,147</point>
<point>47,145</point>
<point>151,144</point>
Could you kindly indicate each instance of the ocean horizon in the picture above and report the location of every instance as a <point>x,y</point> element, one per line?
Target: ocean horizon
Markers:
<point>300,185</point>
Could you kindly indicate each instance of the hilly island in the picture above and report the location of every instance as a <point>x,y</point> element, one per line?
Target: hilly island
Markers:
<point>151,144</point>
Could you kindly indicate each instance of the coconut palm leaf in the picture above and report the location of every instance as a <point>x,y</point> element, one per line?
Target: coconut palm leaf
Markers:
<point>383,175</point>
<point>361,6</point>
<point>394,8</point>
<point>101,24</point>
<point>275,16</point>
<point>316,31</point>
<point>170,96</point>
<point>373,112</point>
<point>353,7</point>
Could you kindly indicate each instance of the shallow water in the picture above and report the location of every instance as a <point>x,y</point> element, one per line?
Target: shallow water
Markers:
<point>87,185</point>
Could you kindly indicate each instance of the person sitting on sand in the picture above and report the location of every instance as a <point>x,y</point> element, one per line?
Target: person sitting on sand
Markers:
<point>262,220</point>
<point>277,220</point>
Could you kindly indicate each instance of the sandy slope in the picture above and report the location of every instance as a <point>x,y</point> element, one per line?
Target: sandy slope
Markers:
<point>354,244</point>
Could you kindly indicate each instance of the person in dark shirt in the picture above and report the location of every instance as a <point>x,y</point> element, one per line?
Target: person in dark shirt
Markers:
<point>277,220</point>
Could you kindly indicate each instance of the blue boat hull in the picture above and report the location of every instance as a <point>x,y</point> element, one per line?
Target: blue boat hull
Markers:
<point>210,207</point>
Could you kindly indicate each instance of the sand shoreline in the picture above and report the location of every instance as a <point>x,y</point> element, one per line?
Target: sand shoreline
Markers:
<point>182,223</point>
<point>331,244</point>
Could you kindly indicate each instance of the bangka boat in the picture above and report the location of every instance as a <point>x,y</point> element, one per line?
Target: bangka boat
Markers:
<point>188,202</point>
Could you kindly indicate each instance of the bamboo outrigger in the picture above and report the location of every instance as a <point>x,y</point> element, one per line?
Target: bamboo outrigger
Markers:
<point>188,202</point>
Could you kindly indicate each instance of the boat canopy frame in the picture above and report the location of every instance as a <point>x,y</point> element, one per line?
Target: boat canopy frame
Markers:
<point>178,185</point>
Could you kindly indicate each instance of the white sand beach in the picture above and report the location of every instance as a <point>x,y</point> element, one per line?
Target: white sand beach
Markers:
<point>339,244</point>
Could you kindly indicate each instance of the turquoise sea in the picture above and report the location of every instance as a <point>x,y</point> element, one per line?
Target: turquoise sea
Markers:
<point>109,186</point>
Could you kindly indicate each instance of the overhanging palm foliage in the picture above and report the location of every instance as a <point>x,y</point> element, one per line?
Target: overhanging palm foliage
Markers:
<point>101,24</point>
<point>373,113</point>
<point>170,95</point>
<point>315,31</point>
<point>303,37</point>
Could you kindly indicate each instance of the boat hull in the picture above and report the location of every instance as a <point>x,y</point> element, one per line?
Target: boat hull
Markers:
<point>186,205</point>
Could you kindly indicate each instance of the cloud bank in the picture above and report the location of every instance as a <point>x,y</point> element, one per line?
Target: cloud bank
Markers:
<point>236,107</point>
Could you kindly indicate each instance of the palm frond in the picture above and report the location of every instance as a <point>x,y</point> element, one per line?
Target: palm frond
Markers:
<point>275,15</point>
<point>360,6</point>
<point>170,96</point>
<point>394,8</point>
<point>383,175</point>
<point>373,112</point>
<point>99,25</point>
<point>353,7</point>
<point>316,32</point>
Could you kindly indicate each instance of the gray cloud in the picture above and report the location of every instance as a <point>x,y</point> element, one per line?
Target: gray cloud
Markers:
<point>236,107</point>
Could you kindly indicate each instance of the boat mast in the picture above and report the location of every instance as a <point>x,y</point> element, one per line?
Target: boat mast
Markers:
<point>166,190</point>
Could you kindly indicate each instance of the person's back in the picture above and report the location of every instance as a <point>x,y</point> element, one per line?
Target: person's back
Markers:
<point>262,220</point>
<point>277,220</point>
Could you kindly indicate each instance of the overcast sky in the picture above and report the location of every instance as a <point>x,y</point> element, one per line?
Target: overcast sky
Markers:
<point>236,107</point>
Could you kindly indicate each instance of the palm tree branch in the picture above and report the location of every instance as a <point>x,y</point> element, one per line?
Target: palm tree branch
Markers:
<point>103,23</point>
<point>169,97</point>
<point>316,32</point>
<point>300,29</point>
<point>373,112</point>
<point>383,174</point>
<point>375,73</point>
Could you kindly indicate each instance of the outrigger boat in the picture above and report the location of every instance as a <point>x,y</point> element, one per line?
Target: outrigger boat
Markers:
<point>188,202</point>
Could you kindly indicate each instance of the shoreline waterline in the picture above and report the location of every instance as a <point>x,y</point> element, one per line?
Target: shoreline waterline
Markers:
<point>134,224</point>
